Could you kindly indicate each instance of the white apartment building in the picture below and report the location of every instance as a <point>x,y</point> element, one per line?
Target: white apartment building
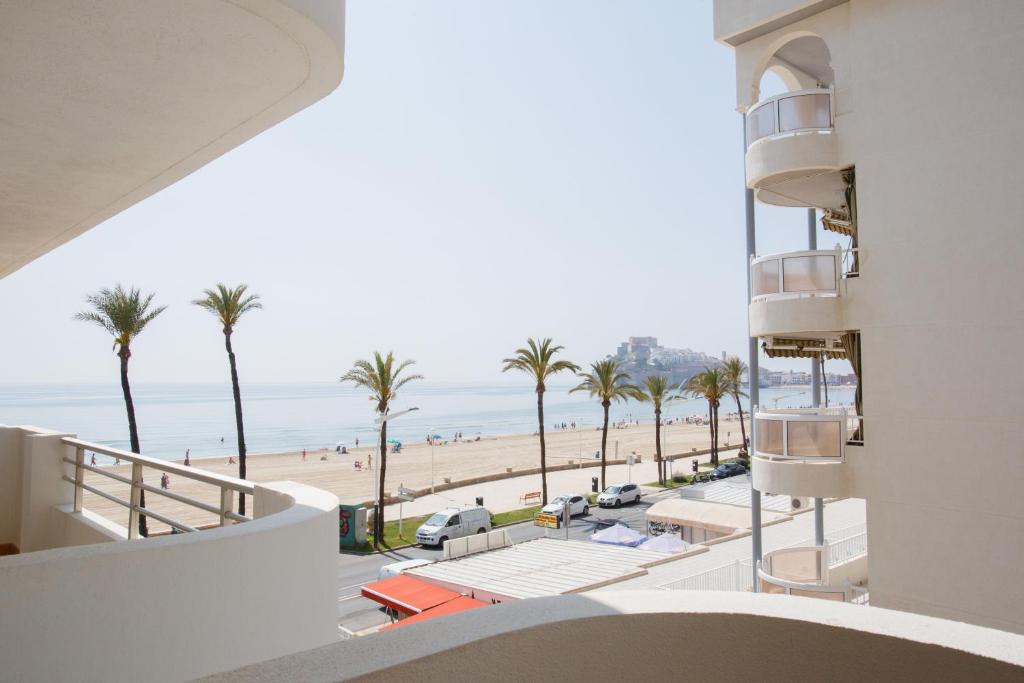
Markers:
<point>106,102</point>
<point>900,130</point>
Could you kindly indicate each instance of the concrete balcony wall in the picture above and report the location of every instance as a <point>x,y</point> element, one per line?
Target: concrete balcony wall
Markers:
<point>796,316</point>
<point>582,637</point>
<point>166,608</point>
<point>801,478</point>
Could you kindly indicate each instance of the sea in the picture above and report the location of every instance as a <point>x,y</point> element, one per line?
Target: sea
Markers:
<point>289,417</point>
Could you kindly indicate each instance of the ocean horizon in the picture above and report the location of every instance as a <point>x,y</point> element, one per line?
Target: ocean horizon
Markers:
<point>281,417</point>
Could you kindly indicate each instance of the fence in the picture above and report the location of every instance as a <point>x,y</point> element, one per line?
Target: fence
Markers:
<point>228,486</point>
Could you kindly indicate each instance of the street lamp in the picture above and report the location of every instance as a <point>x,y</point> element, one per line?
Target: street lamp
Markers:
<point>432,432</point>
<point>380,421</point>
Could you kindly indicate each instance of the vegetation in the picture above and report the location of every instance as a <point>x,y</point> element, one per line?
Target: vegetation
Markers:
<point>124,314</point>
<point>392,539</point>
<point>732,371</point>
<point>537,361</point>
<point>709,385</point>
<point>383,379</point>
<point>229,305</point>
<point>608,384</point>
<point>659,392</point>
<point>514,516</point>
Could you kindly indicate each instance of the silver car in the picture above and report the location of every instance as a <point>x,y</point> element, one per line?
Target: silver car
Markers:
<point>614,496</point>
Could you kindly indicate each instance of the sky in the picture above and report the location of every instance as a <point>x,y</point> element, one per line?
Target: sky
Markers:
<point>485,172</point>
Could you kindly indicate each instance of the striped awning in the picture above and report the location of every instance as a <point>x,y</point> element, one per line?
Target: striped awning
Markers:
<point>782,347</point>
<point>837,220</point>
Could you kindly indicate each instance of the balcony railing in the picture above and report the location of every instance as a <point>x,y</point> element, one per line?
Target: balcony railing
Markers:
<point>801,111</point>
<point>797,274</point>
<point>807,434</point>
<point>228,486</point>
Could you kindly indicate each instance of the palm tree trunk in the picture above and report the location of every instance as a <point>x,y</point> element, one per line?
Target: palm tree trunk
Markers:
<point>711,430</point>
<point>378,520</point>
<point>714,451</point>
<point>604,444</point>
<point>743,431</point>
<point>133,429</point>
<point>657,446</point>
<point>239,429</point>
<point>543,453</point>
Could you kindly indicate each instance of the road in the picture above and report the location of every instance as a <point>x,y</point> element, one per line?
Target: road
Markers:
<point>356,613</point>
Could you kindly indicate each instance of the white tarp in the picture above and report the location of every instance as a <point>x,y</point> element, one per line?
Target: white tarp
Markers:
<point>666,543</point>
<point>619,535</point>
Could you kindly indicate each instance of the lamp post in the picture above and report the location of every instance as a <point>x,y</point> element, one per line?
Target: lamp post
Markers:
<point>432,431</point>
<point>380,421</point>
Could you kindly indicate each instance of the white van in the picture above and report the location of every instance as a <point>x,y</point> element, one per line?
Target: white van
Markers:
<point>396,568</point>
<point>454,523</point>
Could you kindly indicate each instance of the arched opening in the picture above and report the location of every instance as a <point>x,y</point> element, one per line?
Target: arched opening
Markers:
<point>799,63</point>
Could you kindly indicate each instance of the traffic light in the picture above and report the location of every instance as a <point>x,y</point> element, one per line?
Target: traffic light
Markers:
<point>693,466</point>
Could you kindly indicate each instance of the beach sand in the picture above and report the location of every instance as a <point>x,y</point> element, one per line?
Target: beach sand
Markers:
<point>410,468</point>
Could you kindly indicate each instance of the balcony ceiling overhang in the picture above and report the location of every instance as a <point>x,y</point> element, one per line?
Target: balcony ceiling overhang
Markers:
<point>109,101</point>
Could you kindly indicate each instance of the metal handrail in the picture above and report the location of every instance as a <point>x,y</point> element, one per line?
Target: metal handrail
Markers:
<point>790,586</point>
<point>774,101</point>
<point>228,486</point>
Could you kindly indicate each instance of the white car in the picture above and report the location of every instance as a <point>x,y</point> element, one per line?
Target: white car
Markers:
<point>614,496</point>
<point>578,505</point>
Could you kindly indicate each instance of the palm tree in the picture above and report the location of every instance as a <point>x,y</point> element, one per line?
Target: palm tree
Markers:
<point>538,361</point>
<point>709,385</point>
<point>229,305</point>
<point>383,379</point>
<point>659,392</point>
<point>124,314</point>
<point>607,383</point>
<point>732,370</point>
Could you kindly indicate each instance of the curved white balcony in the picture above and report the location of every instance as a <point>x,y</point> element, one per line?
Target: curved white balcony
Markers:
<point>792,156</point>
<point>802,452</point>
<point>826,572</point>
<point>796,293</point>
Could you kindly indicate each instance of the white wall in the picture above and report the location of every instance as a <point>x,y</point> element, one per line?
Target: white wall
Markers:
<point>10,483</point>
<point>176,607</point>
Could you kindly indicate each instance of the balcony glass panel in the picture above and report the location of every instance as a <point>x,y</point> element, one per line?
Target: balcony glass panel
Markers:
<point>769,437</point>
<point>761,122</point>
<point>813,439</point>
<point>767,587</point>
<point>802,566</point>
<point>766,277</point>
<point>809,273</point>
<point>801,112</point>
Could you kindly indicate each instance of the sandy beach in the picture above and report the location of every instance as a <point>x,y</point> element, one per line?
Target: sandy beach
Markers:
<point>335,472</point>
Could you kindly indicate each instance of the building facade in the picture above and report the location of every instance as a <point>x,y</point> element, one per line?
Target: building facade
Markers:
<point>900,131</point>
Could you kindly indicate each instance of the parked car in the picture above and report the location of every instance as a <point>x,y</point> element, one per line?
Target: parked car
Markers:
<point>454,523</point>
<point>578,505</point>
<point>615,496</point>
<point>728,469</point>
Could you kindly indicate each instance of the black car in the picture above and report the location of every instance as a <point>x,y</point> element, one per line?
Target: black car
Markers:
<point>728,469</point>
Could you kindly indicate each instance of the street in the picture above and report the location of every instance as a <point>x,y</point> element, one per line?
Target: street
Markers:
<point>356,613</point>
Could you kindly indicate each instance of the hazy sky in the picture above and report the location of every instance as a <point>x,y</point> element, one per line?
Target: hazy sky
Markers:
<point>484,172</point>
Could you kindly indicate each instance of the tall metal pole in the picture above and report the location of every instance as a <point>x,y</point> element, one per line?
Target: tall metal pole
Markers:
<point>819,510</point>
<point>752,372</point>
<point>432,459</point>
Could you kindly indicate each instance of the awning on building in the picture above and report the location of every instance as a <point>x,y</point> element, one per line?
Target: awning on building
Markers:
<point>698,514</point>
<point>459,604</point>
<point>787,347</point>
<point>407,594</point>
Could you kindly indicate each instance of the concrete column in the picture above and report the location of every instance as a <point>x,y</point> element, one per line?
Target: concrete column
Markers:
<point>753,374</point>
<point>819,511</point>
<point>43,489</point>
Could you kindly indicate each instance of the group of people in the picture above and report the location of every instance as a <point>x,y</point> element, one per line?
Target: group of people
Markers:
<point>565,425</point>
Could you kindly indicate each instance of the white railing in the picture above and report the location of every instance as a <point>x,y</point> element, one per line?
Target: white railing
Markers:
<point>228,486</point>
<point>797,274</point>
<point>801,111</point>
<point>847,549</point>
<point>806,434</point>
<point>735,576</point>
<point>772,584</point>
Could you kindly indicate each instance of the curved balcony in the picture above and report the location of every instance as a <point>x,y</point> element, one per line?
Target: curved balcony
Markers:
<point>826,572</point>
<point>802,452</point>
<point>792,156</point>
<point>796,293</point>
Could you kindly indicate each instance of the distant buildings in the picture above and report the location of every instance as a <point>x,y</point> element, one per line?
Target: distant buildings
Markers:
<point>642,356</point>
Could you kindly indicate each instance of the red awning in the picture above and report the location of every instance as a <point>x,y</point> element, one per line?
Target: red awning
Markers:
<point>459,604</point>
<point>408,595</point>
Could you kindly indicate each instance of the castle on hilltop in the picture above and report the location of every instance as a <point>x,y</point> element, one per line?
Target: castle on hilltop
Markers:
<point>642,356</point>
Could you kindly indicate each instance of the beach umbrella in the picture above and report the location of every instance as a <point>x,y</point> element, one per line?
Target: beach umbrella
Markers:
<point>395,442</point>
<point>437,436</point>
<point>619,535</point>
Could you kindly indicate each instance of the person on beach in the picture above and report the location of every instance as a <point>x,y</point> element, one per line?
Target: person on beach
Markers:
<point>222,441</point>
<point>93,460</point>
<point>188,462</point>
<point>303,455</point>
<point>231,460</point>
<point>165,481</point>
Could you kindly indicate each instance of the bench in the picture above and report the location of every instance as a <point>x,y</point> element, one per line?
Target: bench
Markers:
<point>531,497</point>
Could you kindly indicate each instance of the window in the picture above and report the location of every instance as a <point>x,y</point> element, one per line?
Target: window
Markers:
<point>454,521</point>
